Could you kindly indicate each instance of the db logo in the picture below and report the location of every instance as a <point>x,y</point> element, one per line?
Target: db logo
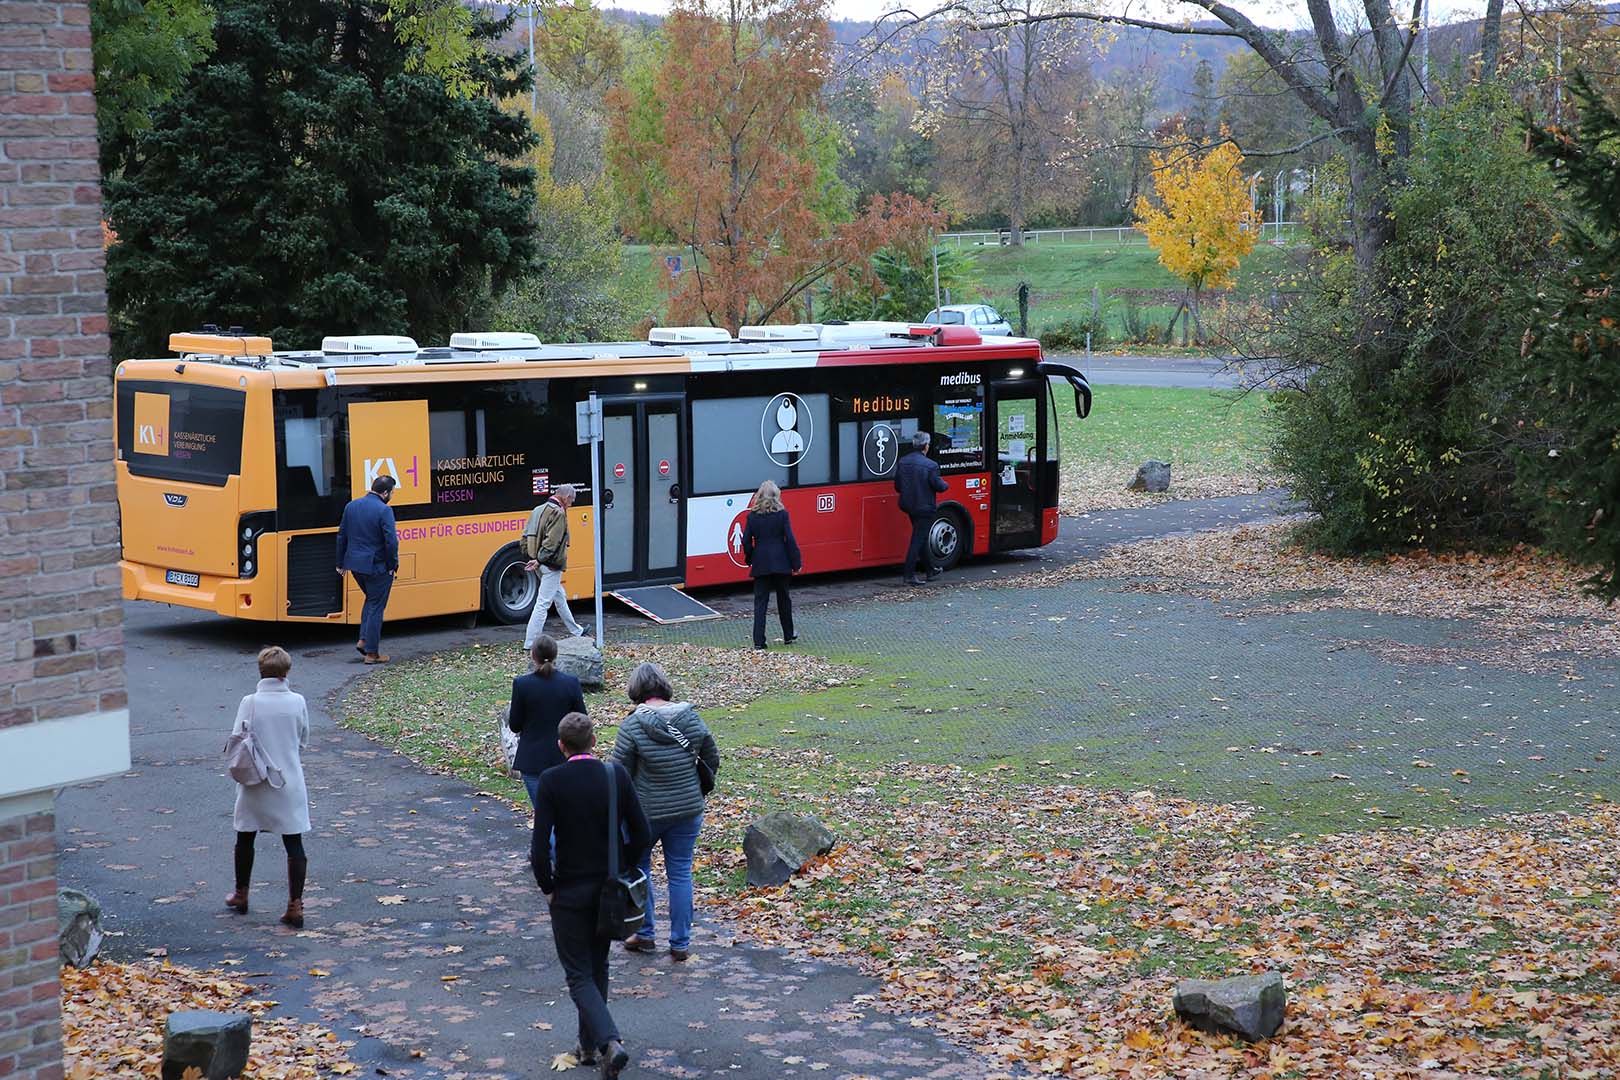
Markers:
<point>825,504</point>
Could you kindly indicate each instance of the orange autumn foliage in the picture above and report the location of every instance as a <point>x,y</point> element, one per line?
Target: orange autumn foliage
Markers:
<point>730,172</point>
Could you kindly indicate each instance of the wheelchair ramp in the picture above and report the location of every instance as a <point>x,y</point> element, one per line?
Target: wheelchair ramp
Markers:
<point>664,604</point>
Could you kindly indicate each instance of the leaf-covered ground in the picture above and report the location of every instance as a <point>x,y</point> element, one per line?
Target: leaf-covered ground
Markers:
<point>1036,892</point>
<point>1049,923</point>
<point>113,1017</point>
<point>445,714</point>
<point>1530,604</point>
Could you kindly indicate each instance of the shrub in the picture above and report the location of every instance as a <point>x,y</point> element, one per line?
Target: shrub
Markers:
<point>1070,334</point>
<point>1568,398</point>
<point>1390,439</point>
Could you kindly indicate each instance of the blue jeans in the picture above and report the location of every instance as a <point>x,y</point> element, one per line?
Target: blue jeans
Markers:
<point>679,837</point>
<point>376,587</point>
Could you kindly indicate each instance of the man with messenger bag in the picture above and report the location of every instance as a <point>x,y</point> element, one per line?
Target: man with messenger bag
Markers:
<point>595,889</point>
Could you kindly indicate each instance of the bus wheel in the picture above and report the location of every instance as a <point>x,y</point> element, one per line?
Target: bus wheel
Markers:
<point>947,540</point>
<point>509,590</point>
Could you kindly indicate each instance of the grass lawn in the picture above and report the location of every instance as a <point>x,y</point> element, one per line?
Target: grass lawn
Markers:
<point>1061,277</point>
<point>1214,440</point>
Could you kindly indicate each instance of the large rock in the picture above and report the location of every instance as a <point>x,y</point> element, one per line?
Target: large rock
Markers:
<point>1151,476</point>
<point>1249,1006</point>
<point>580,657</point>
<point>779,844</point>
<point>78,927</point>
<point>215,1042</point>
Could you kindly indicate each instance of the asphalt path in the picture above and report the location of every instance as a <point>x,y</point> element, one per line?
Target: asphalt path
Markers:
<point>426,938</point>
<point>1202,373</point>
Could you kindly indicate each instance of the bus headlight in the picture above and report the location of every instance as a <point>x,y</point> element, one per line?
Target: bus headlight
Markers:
<point>254,527</point>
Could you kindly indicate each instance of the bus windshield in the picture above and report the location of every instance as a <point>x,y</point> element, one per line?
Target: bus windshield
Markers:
<point>172,431</point>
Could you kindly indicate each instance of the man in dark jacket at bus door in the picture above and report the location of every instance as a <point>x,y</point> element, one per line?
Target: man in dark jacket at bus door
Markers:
<point>917,480</point>
<point>368,548</point>
<point>572,801</point>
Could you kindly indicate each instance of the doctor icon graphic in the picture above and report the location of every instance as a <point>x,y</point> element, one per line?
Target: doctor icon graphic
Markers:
<point>787,439</point>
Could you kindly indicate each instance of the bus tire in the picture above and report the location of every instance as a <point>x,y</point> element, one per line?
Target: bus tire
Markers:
<point>509,590</point>
<point>948,538</point>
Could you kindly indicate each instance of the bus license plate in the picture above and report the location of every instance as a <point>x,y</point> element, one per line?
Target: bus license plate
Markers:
<point>181,577</point>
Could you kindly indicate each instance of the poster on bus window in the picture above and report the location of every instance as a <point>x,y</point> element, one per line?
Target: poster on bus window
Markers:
<point>391,438</point>
<point>959,421</point>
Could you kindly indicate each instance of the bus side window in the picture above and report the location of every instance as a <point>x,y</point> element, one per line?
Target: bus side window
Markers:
<point>448,433</point>
<point>729,451</point>
<point>852,436</point>
<point>309,456</point>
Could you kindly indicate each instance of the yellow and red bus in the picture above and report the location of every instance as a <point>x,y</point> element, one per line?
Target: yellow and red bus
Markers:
<point>234,461</point>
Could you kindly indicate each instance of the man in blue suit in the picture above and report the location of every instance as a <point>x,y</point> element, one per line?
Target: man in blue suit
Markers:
<point>368,548</point>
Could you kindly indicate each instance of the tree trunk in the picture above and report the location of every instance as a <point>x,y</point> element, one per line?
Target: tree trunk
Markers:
<point>1490,40</point>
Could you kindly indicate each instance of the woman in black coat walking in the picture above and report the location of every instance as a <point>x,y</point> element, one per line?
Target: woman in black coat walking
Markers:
<point>540,700</point>
<point>773,557</point>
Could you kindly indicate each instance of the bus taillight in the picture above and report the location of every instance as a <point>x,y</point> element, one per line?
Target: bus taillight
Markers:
<point>251,528</point>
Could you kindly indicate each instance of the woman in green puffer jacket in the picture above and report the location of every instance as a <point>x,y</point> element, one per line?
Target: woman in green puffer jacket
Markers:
<point>660,745</point>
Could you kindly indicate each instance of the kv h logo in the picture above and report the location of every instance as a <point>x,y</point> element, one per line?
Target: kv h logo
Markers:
<point>384,466</point>
<point>151,423</point>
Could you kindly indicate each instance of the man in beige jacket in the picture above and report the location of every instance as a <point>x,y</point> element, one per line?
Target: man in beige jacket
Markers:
<point>545,542</point>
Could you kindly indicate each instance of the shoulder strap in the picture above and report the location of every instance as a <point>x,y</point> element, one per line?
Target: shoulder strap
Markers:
<point>676,734</point>
<point>613,821</point>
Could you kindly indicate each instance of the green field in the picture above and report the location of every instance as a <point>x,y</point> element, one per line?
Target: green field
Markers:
<point>1060,276</point>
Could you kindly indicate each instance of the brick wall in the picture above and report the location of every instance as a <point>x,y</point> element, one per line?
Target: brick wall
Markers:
<point>30,1024</point>
<point>61,644</point>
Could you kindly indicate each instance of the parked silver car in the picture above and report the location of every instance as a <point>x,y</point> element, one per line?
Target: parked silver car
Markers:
<point>982,317</point>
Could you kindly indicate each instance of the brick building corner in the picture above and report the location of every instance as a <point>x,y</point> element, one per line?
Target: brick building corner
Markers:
<point>63,716</point>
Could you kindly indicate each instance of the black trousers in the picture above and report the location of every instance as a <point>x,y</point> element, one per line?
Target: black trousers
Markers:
<point>764,585</point>
<point>917,556</point>
<point>583,954</point>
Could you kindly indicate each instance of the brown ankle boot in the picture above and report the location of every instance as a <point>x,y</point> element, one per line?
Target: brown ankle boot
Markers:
<point>294,916</point>
<point>237,901</point>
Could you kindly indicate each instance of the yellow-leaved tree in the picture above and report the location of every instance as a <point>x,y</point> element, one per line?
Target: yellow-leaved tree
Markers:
<point>1202,222</point>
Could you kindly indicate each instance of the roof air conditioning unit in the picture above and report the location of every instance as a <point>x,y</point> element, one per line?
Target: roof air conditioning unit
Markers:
<point>794,332</point>
<point>492,340</point>
<point>689,335</point>
<point>368,344</point>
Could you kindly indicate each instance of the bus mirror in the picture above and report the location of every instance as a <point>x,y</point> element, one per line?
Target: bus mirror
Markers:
<point>1082,397</point>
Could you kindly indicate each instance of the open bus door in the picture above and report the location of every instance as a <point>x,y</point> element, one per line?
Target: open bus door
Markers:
<point>642,501</point>
<point>1017,410</point>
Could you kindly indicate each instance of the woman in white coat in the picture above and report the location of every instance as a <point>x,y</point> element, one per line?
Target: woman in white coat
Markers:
<point>279,721</point>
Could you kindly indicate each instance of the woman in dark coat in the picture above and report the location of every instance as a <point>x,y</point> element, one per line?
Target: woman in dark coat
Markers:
<point>540,700</point>
<point>773,557</point>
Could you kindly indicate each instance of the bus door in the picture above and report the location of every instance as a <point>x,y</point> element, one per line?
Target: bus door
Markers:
<point>1018,413</point>
<point>643,503</point>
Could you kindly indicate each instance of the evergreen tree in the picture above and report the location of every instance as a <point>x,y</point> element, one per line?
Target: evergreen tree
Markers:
<point>1569,437</point>
<point>306,181</point>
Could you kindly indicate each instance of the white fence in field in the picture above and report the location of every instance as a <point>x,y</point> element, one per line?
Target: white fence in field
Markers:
<point>1118,235</point>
